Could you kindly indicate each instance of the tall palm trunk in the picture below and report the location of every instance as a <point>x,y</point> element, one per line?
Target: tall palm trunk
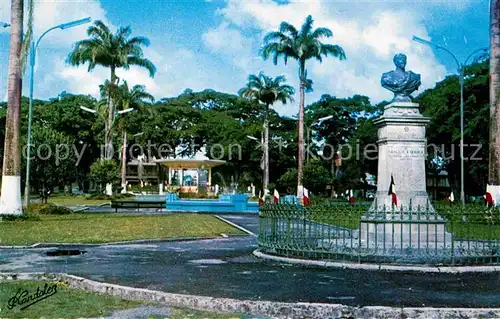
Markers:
<point>111,115</point>
<point>494,167</point>
<point>11,175</point>
<point>301,124</point>
<point>124,162</point>
<point>266,149</point>
<point>109,140</point>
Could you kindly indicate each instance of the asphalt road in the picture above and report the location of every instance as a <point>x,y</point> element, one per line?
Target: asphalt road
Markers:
<point>226,268</point>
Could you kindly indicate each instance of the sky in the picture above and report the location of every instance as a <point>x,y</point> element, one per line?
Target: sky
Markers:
<point>214,44</point>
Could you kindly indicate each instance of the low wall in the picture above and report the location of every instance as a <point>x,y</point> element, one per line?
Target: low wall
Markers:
<point>226,204</point>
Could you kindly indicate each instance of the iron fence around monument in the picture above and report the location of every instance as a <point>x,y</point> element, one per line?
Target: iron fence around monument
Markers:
<point>448,235</point>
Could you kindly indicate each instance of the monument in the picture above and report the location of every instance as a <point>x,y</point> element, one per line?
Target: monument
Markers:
<point>402,153</point>
<point>401,141</point>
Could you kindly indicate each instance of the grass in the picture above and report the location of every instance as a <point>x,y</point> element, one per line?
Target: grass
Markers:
<point>65,303</point>
<point>73,303</point>
<point>75,200</point>
<point>478,224</point>
<point>101,228</point>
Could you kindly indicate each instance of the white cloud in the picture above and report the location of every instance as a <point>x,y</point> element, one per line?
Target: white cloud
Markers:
<point>370,43</point>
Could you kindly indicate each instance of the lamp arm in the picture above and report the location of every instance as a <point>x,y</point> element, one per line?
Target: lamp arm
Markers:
<point>474,53</point>
<point>43,34</point>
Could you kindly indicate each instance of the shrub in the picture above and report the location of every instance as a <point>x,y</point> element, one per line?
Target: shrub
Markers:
<point>48,209</point>
<point>26,216</point>
<point>188,195</point>
<point>98,197</point>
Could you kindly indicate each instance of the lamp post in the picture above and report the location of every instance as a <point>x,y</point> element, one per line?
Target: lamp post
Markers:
<point>107,133</point>
<point>461,71</point>
<point>33,48</point>
<point>319,121</point>
<point>106,129</point>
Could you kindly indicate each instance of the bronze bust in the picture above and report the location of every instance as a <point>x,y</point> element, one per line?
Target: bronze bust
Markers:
<point>402,83</point>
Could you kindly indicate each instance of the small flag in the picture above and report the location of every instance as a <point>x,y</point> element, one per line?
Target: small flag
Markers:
<point>489,200</point>
<point>451,197</point>
<point>351,197</point>
<point>306,197</point>
<point>392,191</point>
<point>276,196</point>
<point>261,199</point>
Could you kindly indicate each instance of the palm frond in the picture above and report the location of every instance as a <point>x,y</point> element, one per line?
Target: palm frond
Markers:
<point>99,30</point>
<point>145,63</point>
<point>286,27</point>
<point>307,26</point>
<point>28,37</point>
<point>322,32</point>
<point>333,50</point>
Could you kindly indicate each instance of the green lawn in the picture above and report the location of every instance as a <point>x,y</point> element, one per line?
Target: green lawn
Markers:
<point>476,226</point>
<point>72,303</point>
<point>75,200</point>
<point>101,228</point>
<point>65,303</point>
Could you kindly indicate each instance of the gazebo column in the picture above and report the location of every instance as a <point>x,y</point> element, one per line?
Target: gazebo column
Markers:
<point>210,176</point>
<point>182,177</point>
<point>161,179</point>
<point>170,173</point>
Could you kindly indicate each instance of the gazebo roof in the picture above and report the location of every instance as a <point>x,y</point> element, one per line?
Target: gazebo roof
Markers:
<point>178,163</point>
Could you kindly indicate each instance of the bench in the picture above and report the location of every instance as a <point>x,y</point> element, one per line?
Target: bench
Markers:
<point>137,204</point>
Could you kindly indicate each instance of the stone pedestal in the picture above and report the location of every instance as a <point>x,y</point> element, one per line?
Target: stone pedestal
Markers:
<point>402,153</point>
<point>413,224</point>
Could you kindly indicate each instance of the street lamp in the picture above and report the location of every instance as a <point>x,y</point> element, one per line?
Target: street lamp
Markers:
<point>319,121</point>
<point>107,133</point>
<point>106,129</point>
<point>33,48</point>
<point>461,71</point>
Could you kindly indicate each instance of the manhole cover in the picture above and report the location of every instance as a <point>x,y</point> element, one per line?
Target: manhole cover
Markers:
<point>66,252</point>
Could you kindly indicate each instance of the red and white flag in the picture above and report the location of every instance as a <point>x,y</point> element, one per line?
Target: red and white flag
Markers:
<point>489,198</point>
<point>351,197</point>
<point>450,197</point>
<point>261,199</point>
<point>306,197</point>
<point>392,192</point>
<point>276,196</point>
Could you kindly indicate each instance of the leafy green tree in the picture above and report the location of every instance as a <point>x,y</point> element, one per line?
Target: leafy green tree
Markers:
<point>63,114</point>
<point>267,91</point>
<point>303,45</point>
<point>53,160</point>
<point>104,172</point>
<point>442,104</point>
<point>316,177</point>
<point>112,51</point>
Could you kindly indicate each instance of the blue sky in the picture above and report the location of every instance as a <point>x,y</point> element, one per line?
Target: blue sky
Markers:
<point>214,44</point>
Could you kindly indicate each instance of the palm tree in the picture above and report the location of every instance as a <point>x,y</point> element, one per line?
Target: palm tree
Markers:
<point>113,51</point>
<point>288,42</point>
<point>133,98</point>
<point>494,164</point>
<point>11,170</point>
<point>266,90</point>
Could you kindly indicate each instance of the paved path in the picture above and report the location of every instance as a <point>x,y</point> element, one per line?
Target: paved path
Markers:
<point>226,268</point>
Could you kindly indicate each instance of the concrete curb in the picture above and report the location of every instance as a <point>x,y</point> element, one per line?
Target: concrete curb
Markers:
<point>243,229</point>
<point>259,308</point>
<point>138,241</point>
<point>376,267</point>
